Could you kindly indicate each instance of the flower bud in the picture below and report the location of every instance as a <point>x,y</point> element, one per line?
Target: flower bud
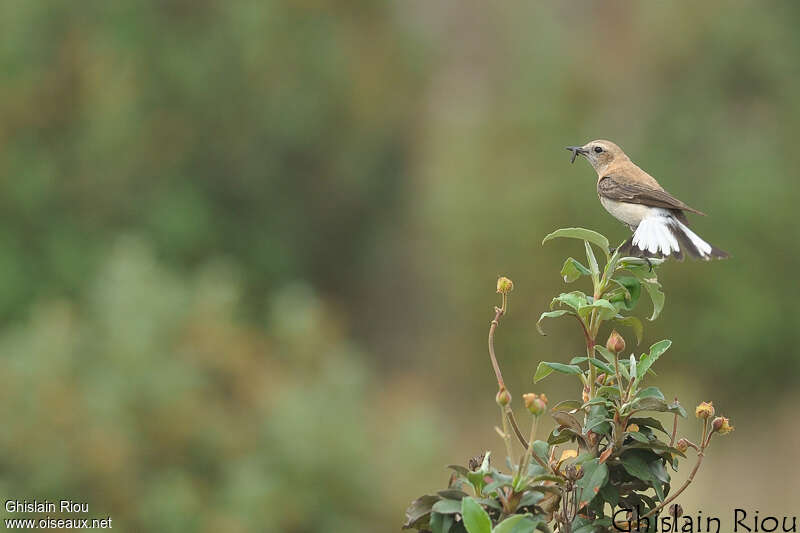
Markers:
<point>503,397</point>
<point>601,378</point>
<point>675,510</point>
<point>705,410</point>
<point>722,425</point>
<point>585,393</point>
<point>682,445</point>
<point>615,342</point>
<point>504,285</point>
<point>633,428</point>
<point>536,404</point>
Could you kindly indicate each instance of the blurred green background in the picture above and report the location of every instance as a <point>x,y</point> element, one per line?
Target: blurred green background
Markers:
<point>248,249</point>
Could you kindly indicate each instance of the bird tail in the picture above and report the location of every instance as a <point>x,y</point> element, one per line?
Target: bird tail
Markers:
<point>665,236</point>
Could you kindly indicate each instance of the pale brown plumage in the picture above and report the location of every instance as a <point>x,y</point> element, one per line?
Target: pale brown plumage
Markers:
<point>634,197</point>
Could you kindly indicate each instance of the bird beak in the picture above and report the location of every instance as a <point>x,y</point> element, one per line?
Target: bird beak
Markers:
<point>575,151</point>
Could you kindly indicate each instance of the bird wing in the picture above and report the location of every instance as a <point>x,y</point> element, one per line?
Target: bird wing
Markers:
<point>617,187</point>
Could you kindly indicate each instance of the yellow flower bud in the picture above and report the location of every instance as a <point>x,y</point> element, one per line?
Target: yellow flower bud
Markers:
<point>633,428</point>
<point>705,410</point>
<point>615,342</point>
<point>504,285</point>
<point>682,445</point>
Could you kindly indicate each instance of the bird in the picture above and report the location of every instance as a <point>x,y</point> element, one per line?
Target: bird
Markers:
<point>632,196</point>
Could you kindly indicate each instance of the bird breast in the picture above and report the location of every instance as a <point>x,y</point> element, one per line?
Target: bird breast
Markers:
<point>630,214</point>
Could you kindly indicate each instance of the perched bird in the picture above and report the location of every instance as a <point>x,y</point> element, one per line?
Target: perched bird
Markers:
<point>631,195</point>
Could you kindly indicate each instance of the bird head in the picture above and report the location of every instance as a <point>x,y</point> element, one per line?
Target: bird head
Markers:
<point>600,153</point>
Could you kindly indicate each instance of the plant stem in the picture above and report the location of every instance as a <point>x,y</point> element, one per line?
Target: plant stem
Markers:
<point>686,483</point>
<point>498,312</point>
<point>510,414</point>
<point>506,435</point>
<point>526,459</point>
<point>674,427</point>
<point>704,440</point>
<point>507,412</point>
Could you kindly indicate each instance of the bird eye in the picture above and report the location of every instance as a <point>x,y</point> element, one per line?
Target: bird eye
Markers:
<point>597,149</point>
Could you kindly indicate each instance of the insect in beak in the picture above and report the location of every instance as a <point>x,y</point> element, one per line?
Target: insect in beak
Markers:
<point>575,151</point>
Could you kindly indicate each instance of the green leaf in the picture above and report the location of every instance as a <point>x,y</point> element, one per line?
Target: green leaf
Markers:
<point>605,310</point>
<point>607,355</point>
<point>605,367</point>
<point>608,391</point>
<point>560,436</point>
<point>651,392</point>
<point>648,422</point>
<point>573,270</point>
<point>653,288</point>
<point>460,469</point>
<point>567,420</point>
<point>441,523</point>
<point>541,449</point>
<point>647,360</point>
<point>653,403</point>
<point>595,476</point>
<point>650,403</point>
<point>632,322</point>
<point>545,369</point>
<point>627,293</point>
<point>447,506</point>
<point>655,446</point>
<point>638,436</point>
<point>550,314</point>
<point>636,466</point>
<point>575,300</point>
<point>475,518</point>
<point>451,494</point>
<point>610,494</point>
<point>597,420</point>
<point>592,526</point>
<point>509,525</point>
<point>566,405</point>
<point>583,234</point>
<point>419,510</point>
<point>592,262</point>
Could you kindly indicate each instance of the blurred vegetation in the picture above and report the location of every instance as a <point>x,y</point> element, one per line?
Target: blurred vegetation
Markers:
<point>244,247</point>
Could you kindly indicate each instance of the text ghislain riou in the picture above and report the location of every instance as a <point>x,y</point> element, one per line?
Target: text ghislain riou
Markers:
<point>743,521</point>
<point>45,506</point>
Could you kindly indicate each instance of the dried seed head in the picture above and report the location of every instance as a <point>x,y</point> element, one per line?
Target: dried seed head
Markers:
<point>475,463</point>
<point>504,285</point>
<point>705,410</point>
<point>682,445</point>
<point>722,425</point>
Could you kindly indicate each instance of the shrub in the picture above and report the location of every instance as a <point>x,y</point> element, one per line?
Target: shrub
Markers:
<point>606,463</point>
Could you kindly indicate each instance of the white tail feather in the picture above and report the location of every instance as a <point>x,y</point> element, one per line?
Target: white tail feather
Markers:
<point>655,234</point>
<point>702,246</point>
